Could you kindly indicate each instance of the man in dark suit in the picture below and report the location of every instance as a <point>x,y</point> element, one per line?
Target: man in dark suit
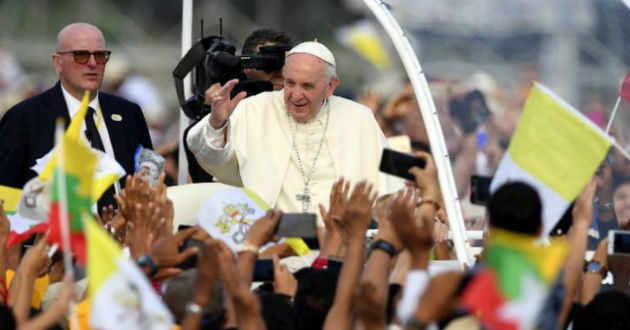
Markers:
<point>113,125</point>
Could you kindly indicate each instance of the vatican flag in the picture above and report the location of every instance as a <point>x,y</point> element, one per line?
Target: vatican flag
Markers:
<point>555,149</point>
<point>120,295</point>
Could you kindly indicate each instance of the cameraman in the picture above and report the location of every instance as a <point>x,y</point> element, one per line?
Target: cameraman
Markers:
<point>251,46</point>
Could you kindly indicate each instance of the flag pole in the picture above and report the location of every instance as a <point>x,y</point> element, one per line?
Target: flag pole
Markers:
<point>187,23</point>
<point>613,114</point>
<point>63,216</point>
<point>63,200</point>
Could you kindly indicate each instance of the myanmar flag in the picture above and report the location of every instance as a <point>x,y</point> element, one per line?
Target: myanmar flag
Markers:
<point>508,290</point>
<point>120,295</point>
<point>555,149</point>
<point>79,164</point>
<point>21,227</point>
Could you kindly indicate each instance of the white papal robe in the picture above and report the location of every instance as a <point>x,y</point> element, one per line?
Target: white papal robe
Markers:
<point>259,154</point>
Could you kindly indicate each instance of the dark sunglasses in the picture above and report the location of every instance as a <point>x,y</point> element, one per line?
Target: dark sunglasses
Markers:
<point>83,56</point>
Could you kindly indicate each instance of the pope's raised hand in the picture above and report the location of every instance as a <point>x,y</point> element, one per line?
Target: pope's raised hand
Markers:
<point>222,105</point>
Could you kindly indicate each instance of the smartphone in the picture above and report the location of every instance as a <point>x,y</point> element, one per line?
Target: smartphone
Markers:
<point>398,163</point>
<point>564,224</point>
<point>188,243</point>
<point>263,270</point>
<point>480,189</point>
<point>335,263</point>
<point>470,111</point>
<point>619,242</point>
<point>252,87</point>
<point>303,225</point>
<point>297,225</point>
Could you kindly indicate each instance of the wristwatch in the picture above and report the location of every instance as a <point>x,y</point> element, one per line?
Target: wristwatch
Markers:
<point>384,246</point>
<point>145,260</point>
<point>596,268</point>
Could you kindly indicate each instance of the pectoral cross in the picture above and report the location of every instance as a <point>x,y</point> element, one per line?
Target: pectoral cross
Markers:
<point>305,199</point>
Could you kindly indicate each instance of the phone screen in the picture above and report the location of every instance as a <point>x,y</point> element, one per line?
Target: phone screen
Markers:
<point>398,163</point>
<point>621,242</point>
<point>297,225</point>
<point>480,189</point>
<point>470,111</point>
<point>192,261</point>
<point>263,270</point>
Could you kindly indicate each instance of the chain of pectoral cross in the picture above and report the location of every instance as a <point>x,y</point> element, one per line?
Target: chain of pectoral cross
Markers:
<point>306,197</point>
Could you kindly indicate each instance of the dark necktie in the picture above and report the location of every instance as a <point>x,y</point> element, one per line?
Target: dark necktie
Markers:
<point>91,131</point>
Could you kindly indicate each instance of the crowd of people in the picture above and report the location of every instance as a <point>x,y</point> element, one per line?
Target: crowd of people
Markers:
<point>301,148</point>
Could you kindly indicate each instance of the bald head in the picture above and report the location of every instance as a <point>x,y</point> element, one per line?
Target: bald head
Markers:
<point>75,74</point>
<point>70,32</point>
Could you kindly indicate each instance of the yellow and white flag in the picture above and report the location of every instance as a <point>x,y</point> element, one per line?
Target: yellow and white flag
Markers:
<point>363,38</point>
<point>555,149</point>
<point>120,295</point>
<point>228,214</point>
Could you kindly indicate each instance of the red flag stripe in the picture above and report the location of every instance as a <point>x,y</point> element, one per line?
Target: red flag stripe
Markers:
<point>15,238</point>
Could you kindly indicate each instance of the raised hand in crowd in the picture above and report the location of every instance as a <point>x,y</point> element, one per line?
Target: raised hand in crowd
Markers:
<point>414,226</point>
<point>113,222</point>
<point>166,254</point>
<point>353,224</point>
<point>582,213</point>
<point>158,196</point>
<point>57,311</point>
<point>33,263</point>
<point>356,218</point>
<point>204,284</point>
<point>414,230</point>
<point>145,229</point>
<point>426,178</point>
<point>386,231</point>
<point>246,304</point>
<point>441,227</point>
<point>261,232</point>
<point>371,300</point>
<point>592,281</point>
<point>222,105</point>
<point>332,243</point>
<point>283,281</point>
<point>136,191</point>
<point>400,104</point>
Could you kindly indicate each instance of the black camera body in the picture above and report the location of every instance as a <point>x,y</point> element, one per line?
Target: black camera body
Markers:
<point>213,60</point>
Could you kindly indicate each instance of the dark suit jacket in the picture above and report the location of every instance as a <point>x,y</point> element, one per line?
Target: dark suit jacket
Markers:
<point>27,132</point>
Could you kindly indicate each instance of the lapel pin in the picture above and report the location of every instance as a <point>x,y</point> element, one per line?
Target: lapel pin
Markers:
<point>116,117</point>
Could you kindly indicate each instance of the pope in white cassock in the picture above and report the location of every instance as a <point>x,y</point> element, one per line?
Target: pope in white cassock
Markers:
<point>289,146</point>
